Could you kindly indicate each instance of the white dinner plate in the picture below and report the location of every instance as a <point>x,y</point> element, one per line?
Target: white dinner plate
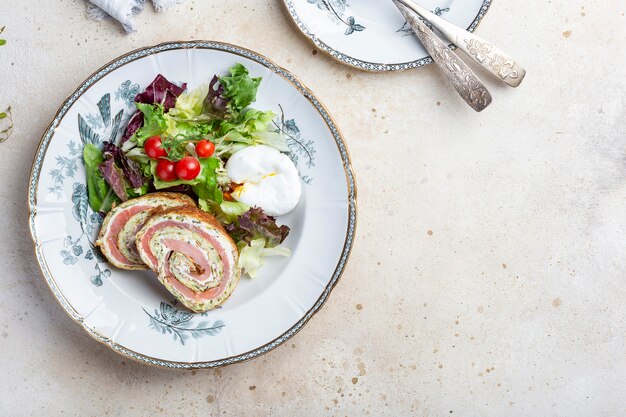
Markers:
<point>129,310</point>
<point>372,34</point>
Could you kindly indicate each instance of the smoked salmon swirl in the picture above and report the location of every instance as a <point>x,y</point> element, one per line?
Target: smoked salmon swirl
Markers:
<point>120,226</point>
<point>194,257</point>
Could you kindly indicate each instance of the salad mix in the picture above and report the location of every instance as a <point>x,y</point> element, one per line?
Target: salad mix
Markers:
<point>179,140</point>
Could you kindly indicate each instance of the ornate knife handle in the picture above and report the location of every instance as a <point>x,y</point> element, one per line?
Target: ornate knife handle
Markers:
<point>505,68</point>
<point>466,83</point>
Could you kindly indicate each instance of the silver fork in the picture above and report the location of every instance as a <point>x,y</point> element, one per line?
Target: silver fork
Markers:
<point>462,78</point>
<point>487,55</point>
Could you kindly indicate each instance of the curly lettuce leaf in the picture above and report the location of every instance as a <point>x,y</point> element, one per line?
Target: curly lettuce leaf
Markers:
<point>192,129</point>
<point>153,122</point>
<point>247,123</point>
<point>255,121</point>
<point>239,88</point>
<point>101,197</point>
<point>233,209</point>
<point>139,155</point>
<point>251,128</point>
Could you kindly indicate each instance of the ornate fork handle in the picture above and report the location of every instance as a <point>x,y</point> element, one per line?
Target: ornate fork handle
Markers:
<point>494,60</point>
<point>462,78</point>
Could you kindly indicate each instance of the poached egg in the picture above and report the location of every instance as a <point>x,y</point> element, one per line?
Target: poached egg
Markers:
<point>267,179</point>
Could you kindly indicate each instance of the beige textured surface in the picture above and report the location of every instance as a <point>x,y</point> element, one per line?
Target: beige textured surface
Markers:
<point>488,276</point>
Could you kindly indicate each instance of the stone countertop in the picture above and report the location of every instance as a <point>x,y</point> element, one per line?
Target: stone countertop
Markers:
<point>487,277</point>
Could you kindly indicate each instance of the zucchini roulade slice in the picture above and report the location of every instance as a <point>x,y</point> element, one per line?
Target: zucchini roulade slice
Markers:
<point>120,226</point>
<point>194,257</point>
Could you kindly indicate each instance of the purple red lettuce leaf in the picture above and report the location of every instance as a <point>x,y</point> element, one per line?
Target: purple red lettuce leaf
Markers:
<point>114,177</point>
<point>215,102</point>
<point>255,224</point>
<point>135,122</point>
<point>130,168</point>
<point>160,91</point>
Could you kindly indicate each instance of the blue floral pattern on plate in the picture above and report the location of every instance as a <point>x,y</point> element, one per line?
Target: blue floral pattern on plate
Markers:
<point>127,92</point>
<point>336,9</point>
<point>180,324</point>
<point>93,129</point>
<point>300,147</point>
<point>406,30</point>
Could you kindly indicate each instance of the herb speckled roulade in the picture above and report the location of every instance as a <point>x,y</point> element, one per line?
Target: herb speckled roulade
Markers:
<point>117,235</point>
<point>194,257</point>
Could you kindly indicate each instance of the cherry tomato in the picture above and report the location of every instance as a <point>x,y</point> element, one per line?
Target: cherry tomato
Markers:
<point>153,147</point>
<point>166,170</point>
<point>205,148</point>
<point>188,168</point>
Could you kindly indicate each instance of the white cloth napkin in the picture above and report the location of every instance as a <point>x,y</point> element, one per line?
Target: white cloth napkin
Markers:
<point>123,11</point>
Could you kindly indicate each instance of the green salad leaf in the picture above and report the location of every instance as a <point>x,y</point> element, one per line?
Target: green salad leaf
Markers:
<point>248,123</point>
<point>153,122</point>
<point>207,187</point>
<point>138,155</point>
<point>239,88</point>
<point>255,121</point>
<point>233,209</point>
<point>101,196</point>
<point>251,128</point>
<point>191,128</point>
<point>189,105</point>
<point>251,256</point>
<point>227,212</point>
<point>138,192</point>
